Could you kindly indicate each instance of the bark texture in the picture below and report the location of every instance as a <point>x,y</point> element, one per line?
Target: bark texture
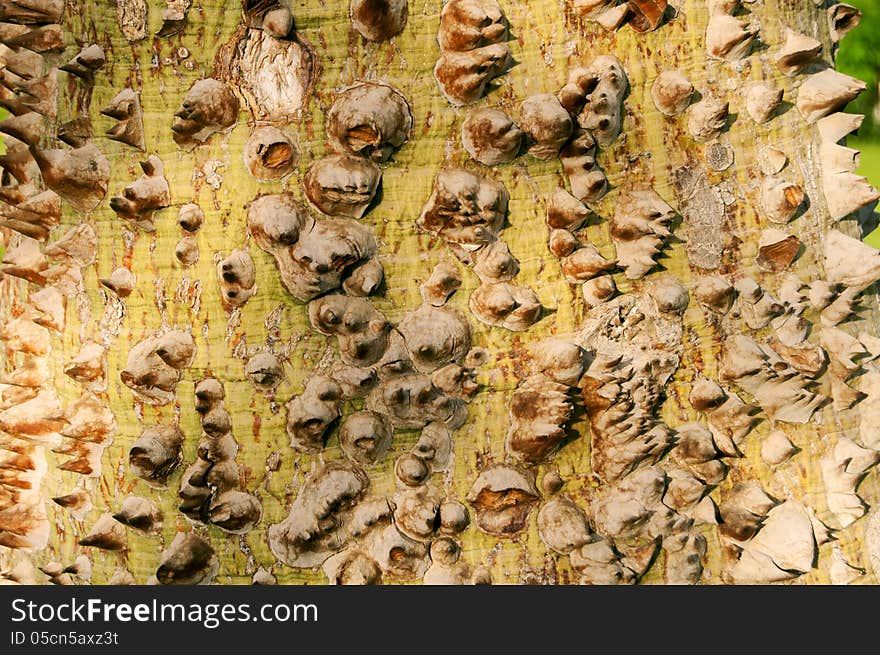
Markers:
<point>653,346</point>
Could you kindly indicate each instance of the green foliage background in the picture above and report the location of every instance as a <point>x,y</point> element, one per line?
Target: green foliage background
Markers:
<point>859,56</point>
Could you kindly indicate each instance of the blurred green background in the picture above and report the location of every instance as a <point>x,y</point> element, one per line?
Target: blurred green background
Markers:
<point>859,56</point>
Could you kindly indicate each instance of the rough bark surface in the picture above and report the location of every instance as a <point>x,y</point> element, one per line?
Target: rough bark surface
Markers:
<point>716,230</point>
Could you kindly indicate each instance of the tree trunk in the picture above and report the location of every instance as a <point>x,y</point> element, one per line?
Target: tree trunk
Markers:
<point>664,437</point>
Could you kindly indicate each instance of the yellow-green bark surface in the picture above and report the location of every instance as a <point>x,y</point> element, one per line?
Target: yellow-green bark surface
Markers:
<point>547,40</point>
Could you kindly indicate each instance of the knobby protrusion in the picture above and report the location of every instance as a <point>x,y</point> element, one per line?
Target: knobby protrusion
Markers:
<point>126,108</point>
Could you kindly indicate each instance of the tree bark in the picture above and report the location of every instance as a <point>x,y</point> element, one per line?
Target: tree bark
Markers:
<point>719,219</point>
